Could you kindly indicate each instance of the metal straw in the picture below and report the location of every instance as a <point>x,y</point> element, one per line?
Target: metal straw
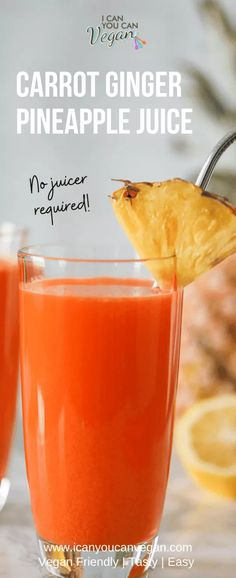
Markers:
<point>208,167</point>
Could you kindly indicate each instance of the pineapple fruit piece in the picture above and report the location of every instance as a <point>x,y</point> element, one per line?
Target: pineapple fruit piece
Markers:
<point>176,218</point>
<point>208,352</point>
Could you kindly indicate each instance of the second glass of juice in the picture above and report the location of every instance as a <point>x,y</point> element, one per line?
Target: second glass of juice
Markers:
<point>99,360</point>
<point>10,239</point>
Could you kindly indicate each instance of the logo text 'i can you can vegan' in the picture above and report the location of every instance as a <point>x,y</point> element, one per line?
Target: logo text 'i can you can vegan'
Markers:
<point>112,29</point>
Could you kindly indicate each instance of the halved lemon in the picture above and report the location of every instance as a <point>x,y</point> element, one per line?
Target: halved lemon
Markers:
<point>176,217</point>
<point>206,443</point>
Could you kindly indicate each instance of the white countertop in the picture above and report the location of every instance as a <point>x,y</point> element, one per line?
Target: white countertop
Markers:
<point>191,516</point>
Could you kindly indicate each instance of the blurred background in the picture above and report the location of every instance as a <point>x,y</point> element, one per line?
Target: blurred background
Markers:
<point>198,38</point>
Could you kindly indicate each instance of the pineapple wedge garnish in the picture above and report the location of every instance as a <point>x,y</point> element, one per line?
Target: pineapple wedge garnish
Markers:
<point>176,217</point>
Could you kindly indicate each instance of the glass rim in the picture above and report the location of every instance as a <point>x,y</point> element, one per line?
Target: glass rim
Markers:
<point>35,251</point>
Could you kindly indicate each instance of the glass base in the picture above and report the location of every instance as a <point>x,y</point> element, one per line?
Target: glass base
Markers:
<point>4,491</point>
<point>95,562</point>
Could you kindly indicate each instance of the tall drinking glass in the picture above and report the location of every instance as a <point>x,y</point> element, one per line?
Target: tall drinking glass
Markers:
<point>99,361</point>
<point>11,239</point>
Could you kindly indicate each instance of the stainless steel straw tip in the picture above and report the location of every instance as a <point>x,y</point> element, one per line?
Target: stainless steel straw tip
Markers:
<point>216,153</point>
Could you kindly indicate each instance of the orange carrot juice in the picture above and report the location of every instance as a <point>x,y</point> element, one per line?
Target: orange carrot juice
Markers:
<point>98,402</point>
<point>9,346</point>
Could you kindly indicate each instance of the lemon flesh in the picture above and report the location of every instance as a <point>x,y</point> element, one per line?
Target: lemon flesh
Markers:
<point>206,443</point>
